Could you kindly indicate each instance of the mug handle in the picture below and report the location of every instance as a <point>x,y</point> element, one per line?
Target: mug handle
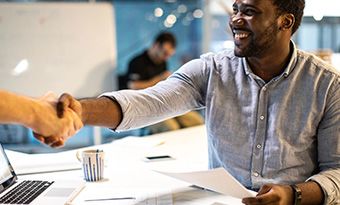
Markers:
<point>78,156</point>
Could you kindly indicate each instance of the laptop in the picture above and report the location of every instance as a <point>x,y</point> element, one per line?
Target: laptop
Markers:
<point>35,192</point>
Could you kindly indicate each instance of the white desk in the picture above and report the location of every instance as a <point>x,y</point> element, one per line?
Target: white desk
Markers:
<point>127,175</point>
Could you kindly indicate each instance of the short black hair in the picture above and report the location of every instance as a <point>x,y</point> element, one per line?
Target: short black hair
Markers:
<point>294,7</point>
<point>165,37</point>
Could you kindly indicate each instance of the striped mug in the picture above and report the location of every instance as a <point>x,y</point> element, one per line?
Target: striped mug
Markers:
<point>92,164</point>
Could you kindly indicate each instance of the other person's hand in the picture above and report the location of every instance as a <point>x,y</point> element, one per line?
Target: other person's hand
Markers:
<point>271,194</point>
<point>53,129</point>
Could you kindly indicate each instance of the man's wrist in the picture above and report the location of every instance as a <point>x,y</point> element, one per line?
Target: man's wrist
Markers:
<point>119,111</point>
<point>102,111</point>
<point>297,194</point>
<point>84,113</point>
<point>32,117</point>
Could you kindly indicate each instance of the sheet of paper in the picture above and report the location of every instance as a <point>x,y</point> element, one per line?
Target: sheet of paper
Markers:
<point>40,163</point>
<point>218,180</point>
<point>105,193</point>
<point>150,200</point>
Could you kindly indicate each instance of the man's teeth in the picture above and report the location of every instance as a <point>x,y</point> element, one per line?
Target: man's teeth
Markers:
<point>241,35</point>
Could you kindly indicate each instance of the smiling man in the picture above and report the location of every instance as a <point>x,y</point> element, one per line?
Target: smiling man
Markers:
<point>272,111</point>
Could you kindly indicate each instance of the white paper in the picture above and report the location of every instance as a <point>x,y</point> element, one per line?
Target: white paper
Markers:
<point>218,180</point>
<point>105,193</point>
<point>40,163</point>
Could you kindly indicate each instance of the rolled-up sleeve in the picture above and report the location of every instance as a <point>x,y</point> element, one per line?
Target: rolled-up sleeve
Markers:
<point>329,147</point>
<point>329,181</point>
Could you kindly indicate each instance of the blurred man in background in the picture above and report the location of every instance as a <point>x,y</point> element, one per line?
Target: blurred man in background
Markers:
<point>149,68</point>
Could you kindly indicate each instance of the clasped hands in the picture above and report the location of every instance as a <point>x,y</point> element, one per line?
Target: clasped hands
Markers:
<point>56,119</point>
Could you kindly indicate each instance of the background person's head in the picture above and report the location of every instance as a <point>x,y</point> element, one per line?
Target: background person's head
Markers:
<point>163,47</point>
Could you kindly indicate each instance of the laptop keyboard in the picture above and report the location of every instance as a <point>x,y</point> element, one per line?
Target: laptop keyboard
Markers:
<point>25,192</point>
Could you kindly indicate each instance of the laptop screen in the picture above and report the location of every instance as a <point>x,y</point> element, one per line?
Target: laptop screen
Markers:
<point>6,170</point>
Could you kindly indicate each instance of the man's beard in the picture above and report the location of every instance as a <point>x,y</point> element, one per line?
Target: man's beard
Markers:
<point>258,45</point>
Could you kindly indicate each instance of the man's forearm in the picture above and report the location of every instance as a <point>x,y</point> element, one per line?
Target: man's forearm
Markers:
<point>312,193</point>
<point>101,112</point>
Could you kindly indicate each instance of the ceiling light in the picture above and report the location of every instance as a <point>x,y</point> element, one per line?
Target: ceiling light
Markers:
<point>198,13</point>
<point>158,12</point>
<point>21,67</point>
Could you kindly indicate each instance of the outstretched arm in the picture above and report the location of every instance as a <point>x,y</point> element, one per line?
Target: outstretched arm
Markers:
<point>38,114</point>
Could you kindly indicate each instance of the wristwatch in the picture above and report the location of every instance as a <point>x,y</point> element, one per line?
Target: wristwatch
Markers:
<point>297,194</point>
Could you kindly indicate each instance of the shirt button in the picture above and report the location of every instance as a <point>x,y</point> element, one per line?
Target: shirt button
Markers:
<point>258,146</point>
<point>261,117</point>
<point>256,174</point>
<point>264,88</point>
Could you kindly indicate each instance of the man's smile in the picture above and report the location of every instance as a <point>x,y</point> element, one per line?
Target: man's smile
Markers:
<point>240,34</point>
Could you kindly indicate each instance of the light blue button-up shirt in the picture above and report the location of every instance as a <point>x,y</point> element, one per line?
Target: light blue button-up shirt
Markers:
<point>284,131</point>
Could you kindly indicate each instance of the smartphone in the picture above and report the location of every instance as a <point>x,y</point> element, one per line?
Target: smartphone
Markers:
<point>157,158</point>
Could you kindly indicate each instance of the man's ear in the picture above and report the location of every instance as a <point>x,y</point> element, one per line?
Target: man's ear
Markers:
<point>287,21</point>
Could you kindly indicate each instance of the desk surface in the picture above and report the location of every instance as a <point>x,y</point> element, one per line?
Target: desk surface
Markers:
<point>128,175</point>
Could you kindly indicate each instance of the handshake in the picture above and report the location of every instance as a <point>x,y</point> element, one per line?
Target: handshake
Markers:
<point>55,120</point>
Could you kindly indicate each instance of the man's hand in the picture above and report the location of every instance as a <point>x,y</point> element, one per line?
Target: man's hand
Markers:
<point>67,101</point>
<point>51,129</point>
<point>272,194</point>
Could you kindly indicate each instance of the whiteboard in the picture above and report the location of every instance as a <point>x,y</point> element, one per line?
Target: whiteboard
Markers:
<point>60,47</point>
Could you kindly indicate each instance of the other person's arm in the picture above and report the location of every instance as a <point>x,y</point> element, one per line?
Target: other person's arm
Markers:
<point>38,114</point>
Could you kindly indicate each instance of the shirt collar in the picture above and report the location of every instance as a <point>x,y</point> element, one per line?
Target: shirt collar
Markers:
<point>287,70</point>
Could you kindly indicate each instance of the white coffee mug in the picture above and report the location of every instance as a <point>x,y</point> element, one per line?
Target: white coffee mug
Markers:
<point>92,164</point>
